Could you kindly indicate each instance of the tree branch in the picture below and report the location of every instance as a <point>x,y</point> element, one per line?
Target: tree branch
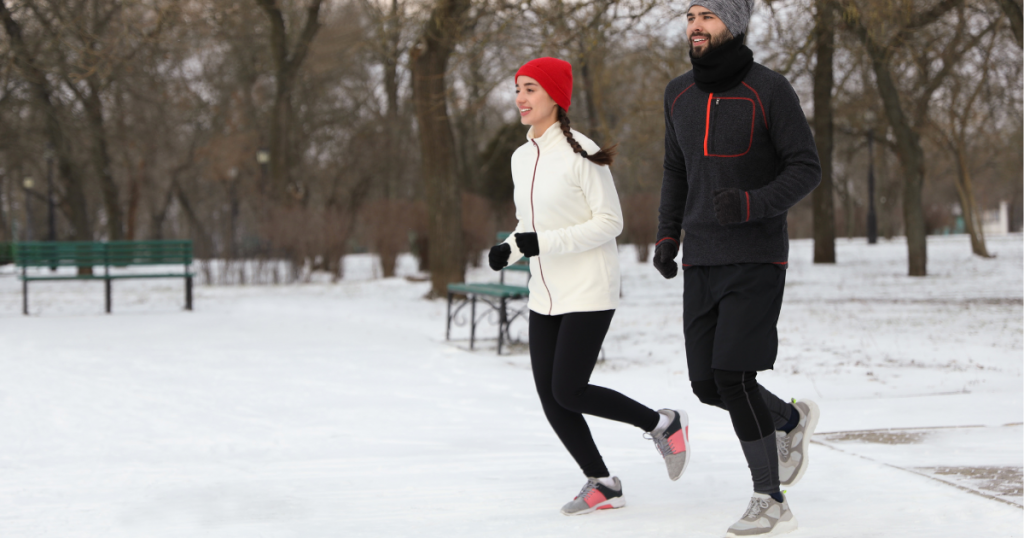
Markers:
<point>1013,12</point>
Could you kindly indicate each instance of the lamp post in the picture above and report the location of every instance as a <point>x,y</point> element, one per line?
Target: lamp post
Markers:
<point>27,184</point>
<point>872,219</point>
<point>50,217</point>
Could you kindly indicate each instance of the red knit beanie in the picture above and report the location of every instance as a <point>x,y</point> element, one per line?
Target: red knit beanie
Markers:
<point>554,75</point>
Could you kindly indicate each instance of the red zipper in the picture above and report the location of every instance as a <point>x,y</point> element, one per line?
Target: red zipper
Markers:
<point>707,124</point>
<point>533,218</point>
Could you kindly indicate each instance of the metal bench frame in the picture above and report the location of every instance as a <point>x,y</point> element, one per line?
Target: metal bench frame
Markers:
<point>90,254</point>
<point>502,299</point>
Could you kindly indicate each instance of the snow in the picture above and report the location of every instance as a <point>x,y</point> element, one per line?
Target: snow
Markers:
<point>340,410</point>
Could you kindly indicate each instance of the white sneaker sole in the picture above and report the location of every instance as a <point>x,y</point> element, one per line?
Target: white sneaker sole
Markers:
<point>812,423</point>
<point>782,527</point>
<point>614,502</point>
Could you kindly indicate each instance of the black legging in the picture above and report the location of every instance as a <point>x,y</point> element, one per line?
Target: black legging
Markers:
<point>563,352</point>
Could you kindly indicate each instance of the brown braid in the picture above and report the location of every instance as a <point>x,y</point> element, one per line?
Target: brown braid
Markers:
<point>606,156</point>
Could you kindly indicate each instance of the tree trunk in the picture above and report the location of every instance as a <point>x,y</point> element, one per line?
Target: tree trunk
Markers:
<point>1014,13</point>
<point>286,69</point>
<point>134,193</point>
<point>280,126</point>
<point>5,231</point>
<point>588,90</point>
<point>392,31</point>
<point>911,155</point>
<point>429,61</point>
<point>965,191</point>
<point>102,164</point>
<point>204,245</point>
<point>824,210</point>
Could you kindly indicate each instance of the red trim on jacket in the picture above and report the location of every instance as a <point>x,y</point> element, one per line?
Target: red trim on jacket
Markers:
<point>748,205</point>
<point>533,218</point>
<point>707,123</point>
<point>673,108</point>
<point>662,240</point>
<point>763,115</point>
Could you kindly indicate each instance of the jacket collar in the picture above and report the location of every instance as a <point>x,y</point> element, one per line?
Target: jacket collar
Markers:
<point>551,138</point>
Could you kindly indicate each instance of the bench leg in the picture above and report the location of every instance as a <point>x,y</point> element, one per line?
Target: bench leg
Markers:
<point>502,324</point>
<point>448,327</point>
<point>107,283</point>
<point>472,322</point>
<point>24,297</point>
<point>188,293</point>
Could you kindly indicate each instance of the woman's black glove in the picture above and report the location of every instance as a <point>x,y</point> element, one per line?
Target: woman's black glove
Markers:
<point>527,244</point>
<point>498,257</point>
<point>665,257</point>
<point>730,206</point>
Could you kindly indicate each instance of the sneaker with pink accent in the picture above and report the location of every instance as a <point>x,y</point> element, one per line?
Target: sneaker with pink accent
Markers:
<point>673,443</point>
<point>595,496</point>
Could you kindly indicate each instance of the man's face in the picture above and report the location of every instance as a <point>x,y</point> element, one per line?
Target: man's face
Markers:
<point>704,31</point>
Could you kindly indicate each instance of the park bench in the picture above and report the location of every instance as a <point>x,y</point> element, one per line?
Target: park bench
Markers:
<point>498,297</point>
<point>110,255</point>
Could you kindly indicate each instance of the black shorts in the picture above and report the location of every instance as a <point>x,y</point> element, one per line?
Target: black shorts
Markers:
<point>730,314</point>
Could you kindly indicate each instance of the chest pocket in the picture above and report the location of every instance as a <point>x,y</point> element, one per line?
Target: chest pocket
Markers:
<point>730,129</point>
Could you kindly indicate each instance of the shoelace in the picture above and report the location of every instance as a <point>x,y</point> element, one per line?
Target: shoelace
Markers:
<point>660,442</point>
<point>755,507</point>
<point>587,488</point>
<point>783,442</point>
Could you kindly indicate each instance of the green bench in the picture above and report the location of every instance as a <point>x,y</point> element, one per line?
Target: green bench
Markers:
<point>499,297</point>
<point>109,255</point>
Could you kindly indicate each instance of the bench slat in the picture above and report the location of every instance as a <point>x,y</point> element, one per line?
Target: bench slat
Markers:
<point>492,290</point>
<point>113,253</point>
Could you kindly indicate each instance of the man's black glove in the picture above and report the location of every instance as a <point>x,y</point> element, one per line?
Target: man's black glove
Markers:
<point>665,257</point>
<point>730,206</point>
<point>498,257</point>
<point>527,244</point>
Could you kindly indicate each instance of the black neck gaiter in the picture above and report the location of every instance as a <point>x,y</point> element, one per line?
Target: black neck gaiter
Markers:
<point>723,67</point>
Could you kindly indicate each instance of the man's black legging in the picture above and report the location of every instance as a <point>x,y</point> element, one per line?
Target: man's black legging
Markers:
<point>563,352</point>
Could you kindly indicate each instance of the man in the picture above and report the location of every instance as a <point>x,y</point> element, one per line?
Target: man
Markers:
<point>738,155</point>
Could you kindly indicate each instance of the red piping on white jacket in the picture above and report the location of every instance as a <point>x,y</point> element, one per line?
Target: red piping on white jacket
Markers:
<point>533,218</point>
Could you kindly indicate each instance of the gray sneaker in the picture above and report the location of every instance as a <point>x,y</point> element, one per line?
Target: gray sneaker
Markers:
<point>793,445</point>
<point>764,517</point>
<point>673,443</point>
<point>595,496</point>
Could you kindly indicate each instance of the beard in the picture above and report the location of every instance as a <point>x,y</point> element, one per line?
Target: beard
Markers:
<point>713,42</point>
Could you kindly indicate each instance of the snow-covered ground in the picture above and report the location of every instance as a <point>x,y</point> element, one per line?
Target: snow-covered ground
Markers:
<point>340,410</point>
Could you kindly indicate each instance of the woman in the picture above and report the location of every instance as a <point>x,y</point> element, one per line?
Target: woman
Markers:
<point>569,216</point>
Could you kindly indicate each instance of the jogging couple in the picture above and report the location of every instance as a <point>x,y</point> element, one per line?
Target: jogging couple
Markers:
<point>738,155</point>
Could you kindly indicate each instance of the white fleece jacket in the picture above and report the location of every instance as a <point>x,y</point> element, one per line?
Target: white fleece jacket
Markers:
<point>572,205</point>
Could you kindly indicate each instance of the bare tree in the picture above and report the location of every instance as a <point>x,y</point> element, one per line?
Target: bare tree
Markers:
<point>287,61</point>
<point>824,212</point>
<point>43,95</point>
<point>1013,12</point>
<point>907,109</point>
<point>429,59</point>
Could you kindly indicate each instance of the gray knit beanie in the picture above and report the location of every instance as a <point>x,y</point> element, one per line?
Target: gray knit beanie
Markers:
<point>734,13</point>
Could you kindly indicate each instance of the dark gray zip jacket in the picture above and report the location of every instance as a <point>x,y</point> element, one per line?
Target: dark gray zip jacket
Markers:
<point>754,138</point>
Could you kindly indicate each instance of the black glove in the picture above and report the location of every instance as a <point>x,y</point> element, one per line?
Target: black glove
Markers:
<point>730,206</point>
<point>665,258</point>
<point>527,244</point>
<point>498,257</point>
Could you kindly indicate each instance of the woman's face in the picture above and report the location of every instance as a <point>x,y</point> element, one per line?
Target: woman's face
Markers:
<point>536,107</point>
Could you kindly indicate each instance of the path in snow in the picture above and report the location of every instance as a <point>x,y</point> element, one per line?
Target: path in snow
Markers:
<point>339,410</point>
